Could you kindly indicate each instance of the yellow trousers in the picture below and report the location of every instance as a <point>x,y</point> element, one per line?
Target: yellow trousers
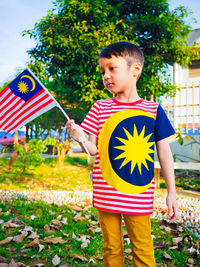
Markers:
<point>139,232</point>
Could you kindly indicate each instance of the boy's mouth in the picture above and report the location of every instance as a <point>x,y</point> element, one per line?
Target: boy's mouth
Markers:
<point>109,84</point>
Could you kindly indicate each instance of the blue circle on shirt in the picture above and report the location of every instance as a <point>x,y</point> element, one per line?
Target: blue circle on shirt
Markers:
<point>140,175</point>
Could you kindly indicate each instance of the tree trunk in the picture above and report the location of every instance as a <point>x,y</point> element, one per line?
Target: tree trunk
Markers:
<point>27,132</point>
<point>14,154</point>
<point>62,150</point>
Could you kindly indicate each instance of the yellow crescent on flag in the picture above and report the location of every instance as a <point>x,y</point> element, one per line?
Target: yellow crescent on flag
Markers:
<point>23,87</point>
<point>126,149</point>
<point>31,79</point>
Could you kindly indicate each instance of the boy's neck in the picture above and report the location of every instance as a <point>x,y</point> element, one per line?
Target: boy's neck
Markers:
<point>127,97</point>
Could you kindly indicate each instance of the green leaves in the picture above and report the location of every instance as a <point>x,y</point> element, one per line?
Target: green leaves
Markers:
<point>30,153</point>
<point>70,38</point>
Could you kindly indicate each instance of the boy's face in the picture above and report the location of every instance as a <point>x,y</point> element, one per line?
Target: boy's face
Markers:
<point>117,76</point>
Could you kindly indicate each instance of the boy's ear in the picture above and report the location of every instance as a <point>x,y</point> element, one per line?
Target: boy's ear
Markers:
<point>137,69</point>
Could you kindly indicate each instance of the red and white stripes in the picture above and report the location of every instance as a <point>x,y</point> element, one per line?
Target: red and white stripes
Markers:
<point>105,197</point>
<point>15,112</point>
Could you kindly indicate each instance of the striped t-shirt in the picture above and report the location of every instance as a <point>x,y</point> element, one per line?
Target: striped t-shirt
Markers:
<point>123,172</point>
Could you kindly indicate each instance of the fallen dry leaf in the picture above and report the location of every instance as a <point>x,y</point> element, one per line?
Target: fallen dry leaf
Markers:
<point>163,227</point>
<point>17,221</point>
<point>180,229</point>
<point>127,240</point>
<point>94,222</point>
<point>76,208</point>
<point>85,243</point>
<point>79,257</point>
<point>91,260</point>
<point>92,229</point>
<point>25,233</point>
<point>64,220</point>
<point>6,240</point>
<point>21,264</point>
<point>59,217</point>
<point>54,240</point>
<point>174,247</point>
<point>130,257</point>
<point>33,217</point>
<point>33,235</point>
<point>167,256</point>
<point>13,264</point>
<point>10,225</point>
<point>56,260</point>
<point>52,228</point>
<point>191,261</point>
<point>18,238</point>
<point>51,212</point>
<point>97,230</point>
<point>128,250</point>
<point>79,217</point>
<point>14,223</point>
<point>85,208</point>
<point>56,222</point>
<point>2,259</point>
<point>160,245</point>
<point>73,235</point>
<point>191,250</point>
<point>47,228</point>
<point>34,243</point>
<point>177,240</point>
<point>41,247</point>
<point>125,233</point>
<point>28,228</point>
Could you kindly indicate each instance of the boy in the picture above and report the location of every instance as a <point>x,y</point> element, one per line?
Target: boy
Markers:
<point>122,133</point>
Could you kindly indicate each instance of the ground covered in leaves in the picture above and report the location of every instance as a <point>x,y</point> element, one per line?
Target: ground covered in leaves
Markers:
<point>47,219</point>
<point>35,233</point>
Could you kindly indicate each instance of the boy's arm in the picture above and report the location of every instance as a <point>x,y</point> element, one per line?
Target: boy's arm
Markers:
<point>167,165</point>
<point>91,144</point>
<point>76,132</point>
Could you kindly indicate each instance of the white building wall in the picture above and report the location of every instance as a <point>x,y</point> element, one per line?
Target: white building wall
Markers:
<point>186,109</point>
<point>181,76</point>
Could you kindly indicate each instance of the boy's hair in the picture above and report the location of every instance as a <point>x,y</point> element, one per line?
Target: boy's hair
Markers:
<point>124,49</point>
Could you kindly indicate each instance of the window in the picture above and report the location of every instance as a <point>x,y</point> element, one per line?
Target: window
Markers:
<point>194,69</point>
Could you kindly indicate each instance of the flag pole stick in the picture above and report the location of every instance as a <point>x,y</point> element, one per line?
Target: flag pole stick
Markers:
<point>59,106</point>
<point>67,117</point>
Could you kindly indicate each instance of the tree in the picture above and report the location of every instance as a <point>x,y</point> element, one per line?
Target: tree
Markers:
<point>70,38</point>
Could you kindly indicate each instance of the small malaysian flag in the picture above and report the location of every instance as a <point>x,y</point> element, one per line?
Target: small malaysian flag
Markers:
<point>23,100</point>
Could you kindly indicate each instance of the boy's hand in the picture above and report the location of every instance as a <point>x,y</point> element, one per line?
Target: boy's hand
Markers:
<point>75,131</point>
<point>173,210</point>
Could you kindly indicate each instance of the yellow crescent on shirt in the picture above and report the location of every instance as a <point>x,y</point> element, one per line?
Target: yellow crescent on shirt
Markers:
<point>126,149</point>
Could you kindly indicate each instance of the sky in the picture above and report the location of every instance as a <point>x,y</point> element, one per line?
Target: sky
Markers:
<point>15,17</point>
<point>19,15</point>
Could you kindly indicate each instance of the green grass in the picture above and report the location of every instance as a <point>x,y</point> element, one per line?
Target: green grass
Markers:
<point>186,182</point>
<point>74,175</point>
<point>45,213</point>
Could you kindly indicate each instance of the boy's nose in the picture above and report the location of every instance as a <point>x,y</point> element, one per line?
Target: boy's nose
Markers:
<point>107,76</point>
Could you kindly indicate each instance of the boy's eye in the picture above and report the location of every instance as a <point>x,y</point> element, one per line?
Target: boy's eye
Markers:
<point>112,68</point>
<point>102,72</point>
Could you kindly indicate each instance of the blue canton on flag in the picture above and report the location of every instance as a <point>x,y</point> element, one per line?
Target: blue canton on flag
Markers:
<point>23,100</point>
<point>25,86</point>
